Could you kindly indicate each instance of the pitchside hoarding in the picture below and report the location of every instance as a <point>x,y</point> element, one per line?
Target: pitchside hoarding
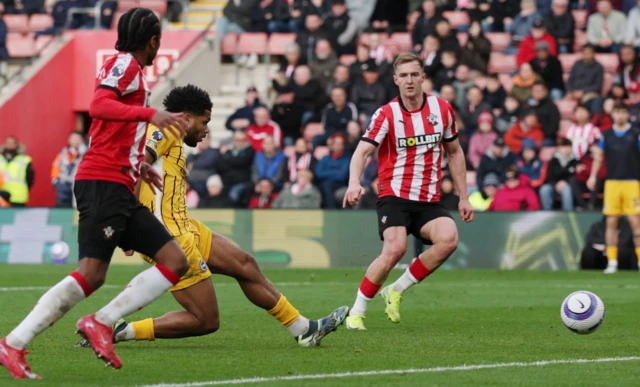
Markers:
<point>317,239</point>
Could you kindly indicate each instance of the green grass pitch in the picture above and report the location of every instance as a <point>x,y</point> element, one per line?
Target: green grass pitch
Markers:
<point>454,320</point>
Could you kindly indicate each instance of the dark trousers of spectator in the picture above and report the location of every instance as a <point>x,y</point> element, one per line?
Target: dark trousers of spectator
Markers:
<point>417,247</point>
<point>594,259</point>
<point>579,188</point>
<point>328,189</point>
<point>614,48</point>
<point>200,187</point>
<point>281,26</point>
<point>64,202</point>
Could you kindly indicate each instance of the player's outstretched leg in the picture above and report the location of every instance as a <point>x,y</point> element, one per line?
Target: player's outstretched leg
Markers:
<point>54,304</point>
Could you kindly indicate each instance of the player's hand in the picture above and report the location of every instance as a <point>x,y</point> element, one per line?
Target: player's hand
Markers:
<point>466,210</point>
<point>353,195</point>
<point>170,122</point>
<point>128,253</point>
<point>150,176</point>
<point>591,183</point>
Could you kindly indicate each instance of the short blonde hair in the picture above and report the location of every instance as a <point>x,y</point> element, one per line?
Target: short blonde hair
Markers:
<point>408,58</point>
<point>307,173</point>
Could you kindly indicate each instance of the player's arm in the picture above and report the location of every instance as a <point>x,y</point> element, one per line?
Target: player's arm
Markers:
<point>598,157</point>
<point>457,166</point>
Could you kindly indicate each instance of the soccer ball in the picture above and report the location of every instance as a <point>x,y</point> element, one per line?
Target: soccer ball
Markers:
<point>59,252</point>
<point>582,312</point>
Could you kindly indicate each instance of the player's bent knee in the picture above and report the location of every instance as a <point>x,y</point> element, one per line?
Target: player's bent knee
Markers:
<point>173,257</point>
<point>447,241</point>
<point>210,326</point>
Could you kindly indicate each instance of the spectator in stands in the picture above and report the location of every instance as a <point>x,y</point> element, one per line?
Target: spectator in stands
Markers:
<point>530,165</point>
<point>192,197</point>
<point>362,59</point>
<point>521,25</point>
<point>579,182</point>
<point>342,28</point>
<point>18,172</point>
<point>386,70</point>
<point>64,167</point>
<point>301,159</point>
<point>263,127</point>
<point>515,195</point>
<point>447,72</point>
<point>201,164</point>
<point>494,94</point>
<point>378,50</point>
<point>618,93</point>
<point>270,164</point>
<point>538,36</point>
<point>547,112</point>
<point>431,54</point>
<point>332,172</point>
<point>481,200</point>
<point>390,16</point>
<point>632,35</point>
<point>426,24</point>
<point>561,25</point>
<point>4,53</point>
<point>325,63</point>
<point>369,95</point>
<point>58,11</point>
<point>296,23</point>
<point>523,83</point>
<point>582,133</point>
<point>309,95</point>
<point>448,198</point>
<point>606,28</point>
<point>308,38</point>
<point>370,198</point>
<point>243,117</point>
<point>263,196</point>
<point>447,36</point>
<point>340,79</point>
<point>603,119</point>
<point>482,139</point>
<point>462,84</point>
<point>501,14</point>
<point>550,69</point>
<point>629,74</point>
<point>215,197</point>
<point>527,127</point>
<point>292,59</point>
<point>287,115</point>
<point>319,7</point>
<point>586,78</point>
<point>498,160</point>
<point>472,108</point>
<point>562,168</point>
<point>509,115</point>
<point>336,116</point>
<point>448,93</point>
<point>300,195</point>
<point>107,11</point>
<point>272,16</point>
<point>478,10</point>
<point>234,165</point>
<point>236,17</point>
<point>477,50</point>
<point>354,134</point>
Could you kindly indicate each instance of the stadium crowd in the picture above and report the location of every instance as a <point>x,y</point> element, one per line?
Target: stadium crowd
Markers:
<point>527,131</point>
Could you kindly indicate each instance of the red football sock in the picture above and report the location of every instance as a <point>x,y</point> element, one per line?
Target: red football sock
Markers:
<point>418,270</point>
<point>368,288</point>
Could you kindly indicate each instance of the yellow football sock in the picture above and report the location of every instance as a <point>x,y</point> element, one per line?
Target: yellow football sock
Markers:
<point>612,253</point>
<point>284,312</point>
<point>638,253</point>
<point>143,330</point>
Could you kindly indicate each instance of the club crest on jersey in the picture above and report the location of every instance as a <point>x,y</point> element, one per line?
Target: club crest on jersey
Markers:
<point>430,140</point>
<point>203,265</point>
<point>108,232</point>
<point>433,119</point>
<point>157,135</point>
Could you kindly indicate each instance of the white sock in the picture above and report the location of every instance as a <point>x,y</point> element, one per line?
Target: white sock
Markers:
<point>360,306</point>
<point>126,334</point>
<point>299,327</point>
<point>612,263</point>
<point>141,291</point>
<point>54,304</point>
<point>405,281</point>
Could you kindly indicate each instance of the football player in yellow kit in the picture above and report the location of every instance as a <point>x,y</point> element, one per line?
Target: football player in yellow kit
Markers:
<point>206,251</point>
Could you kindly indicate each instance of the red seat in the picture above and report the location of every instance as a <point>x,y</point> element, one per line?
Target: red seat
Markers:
<point>457,18</point>
<point>580,18</point>
<point>347,60</point>
<point>506,81</point>
<point>566,107</point>
<point>278,42</point>
<point>499,40</point>
<point>404,39</point>
<point>125,5</point>
<point>463,38</point>
<point>154,5</point>
<point>568,60</point>
<point>229,44</point>
<point>39,22</point>
<point>311,130</point>
<point>252,43</point>
<point>546,153</point>
<point>320,152</point>
<point>21,46</point>
<point>580,40</point>
<point>120,12</point>
<point>564,126</point>
<point>610,62</point>
<point>607,82</point>
<point>16,23</point>
<point>502,63</point>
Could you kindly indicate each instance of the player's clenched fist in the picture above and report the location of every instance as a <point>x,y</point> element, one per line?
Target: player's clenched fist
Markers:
<point>172,122</point>
<point>353,195</point>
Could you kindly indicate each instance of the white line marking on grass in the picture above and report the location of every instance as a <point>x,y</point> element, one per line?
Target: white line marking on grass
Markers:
<point>394,372</point>
<point>28,288</point>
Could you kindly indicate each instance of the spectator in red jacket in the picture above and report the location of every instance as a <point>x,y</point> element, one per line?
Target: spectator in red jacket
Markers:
<point>527,50</point>
<point>263,196</point>
<point>263,127</point>
<point>527,127</point>
<point>515,195</point>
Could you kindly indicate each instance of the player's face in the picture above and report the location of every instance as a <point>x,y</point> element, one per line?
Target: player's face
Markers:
<point>198,128</point>
<point>620,116</point>
<point>409,77</point>
<point>154,46</point>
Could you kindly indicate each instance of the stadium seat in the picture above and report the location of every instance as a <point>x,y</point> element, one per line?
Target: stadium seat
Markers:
<point>564,126</point>
<point>252,43</point>
<point>119,13</point>
<point>502,63</point>
<point>506,80</point>
<point>39,22</point>
<point>580,17</point>
<point>580,40</point>
<point>311,130</point>
<point>457,18</point>
<point>16,23</point>
<point>607,82</point>
<point>499,40</point>
<point>471,178</point>
<point>125,5</point>
<point>154,5</point>
<point>347,60</point>
<point>568,60</point>
<point>546,153</point>
<point>278,42</point>
<point>320,152</point>
<point>42,42</point>
<point>404,39</point>
<point>566,107</point>
<point>20,45</point>
<point>610,62</point>
<point>463,38</point>
<point>229,44</point>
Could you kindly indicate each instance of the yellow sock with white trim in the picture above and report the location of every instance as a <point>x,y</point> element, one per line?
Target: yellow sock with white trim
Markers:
<point>289,317</point>
<point>612,253</point>
<point>143,330</point>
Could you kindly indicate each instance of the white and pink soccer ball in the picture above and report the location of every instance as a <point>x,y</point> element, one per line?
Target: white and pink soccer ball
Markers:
<point>59,252</point>
<point>582,312</point>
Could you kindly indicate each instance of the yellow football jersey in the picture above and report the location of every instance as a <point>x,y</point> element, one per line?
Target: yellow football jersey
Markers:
<point>170,205</point>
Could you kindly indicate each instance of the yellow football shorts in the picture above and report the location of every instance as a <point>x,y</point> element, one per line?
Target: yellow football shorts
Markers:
<point>621,197</point>
<point>196,245</point>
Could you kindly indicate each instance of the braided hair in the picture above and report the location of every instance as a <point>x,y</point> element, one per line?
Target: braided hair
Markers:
<point>135,28</point>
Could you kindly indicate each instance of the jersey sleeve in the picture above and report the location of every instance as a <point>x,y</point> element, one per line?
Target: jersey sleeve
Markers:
<point>121,75</point>
<point>450,132</point>
<point>157,143</point>
<point>378,128</point>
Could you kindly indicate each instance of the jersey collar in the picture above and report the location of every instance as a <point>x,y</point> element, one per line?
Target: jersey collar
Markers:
<point>424,102</point>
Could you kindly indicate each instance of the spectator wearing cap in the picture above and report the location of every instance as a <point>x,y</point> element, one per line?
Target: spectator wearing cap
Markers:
<point>342,28</point>
<point>509,115</point>
<point>308,38</point>
<point>477,49</point>
<point>629,74</point>
<point>425,24</point>
<point>288,115</point>
<point>530,165</point>
<point>579,182</point>
<point>462,83</point>
<point>481,200</point>
<point>447,72</point>
<point>472,108</point>
<point>300,195</point>
<point>585,80</point>
<point>562,168</point>
<point>263,195</point>
<point>369,95</point>
<point>527,127</point>
<point>362,59</point>
<point>494,94</point>
<point>582,133</point>
<point>561,25</point>
<point>340,78</point>
<point>482,139</point>
<point>263,127</point>
<point>336,116</point>
<point>501,13</point>
<point>550,69</point>
<point>234,165</point>
<point>521,25</point>
<point>309,95</point>
<point>431,55</point>
<point>632,35</point>
<point>523,83</point>
<point>448,198</point>
<point>270,164</point>
<point>547,112</point>
<point>332,172</point>
<point>300,160</point>
<point>243,117</point>
<point>324,64</point>
<point>215,196</point>
<point>606,28</point>
<point>498,160</point>
<point>448,39</point>
<point>528,46</point>
<point>515,195</point>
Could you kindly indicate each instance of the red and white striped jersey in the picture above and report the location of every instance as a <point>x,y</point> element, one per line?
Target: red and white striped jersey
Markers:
<point>411,150</point>
<point>581,137</point>
<point>116,148</point>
